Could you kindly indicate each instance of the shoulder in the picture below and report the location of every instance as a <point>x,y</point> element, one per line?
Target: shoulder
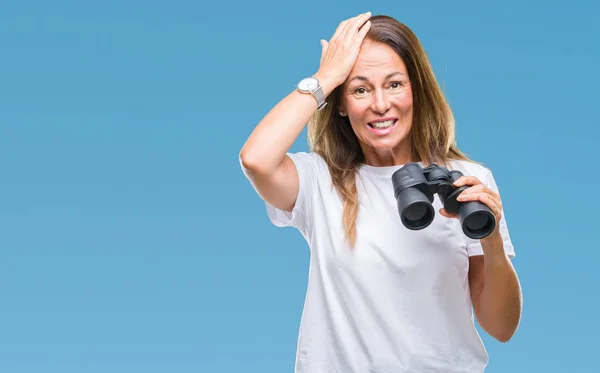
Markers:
<point>309,161</point>
<point>307,156</point>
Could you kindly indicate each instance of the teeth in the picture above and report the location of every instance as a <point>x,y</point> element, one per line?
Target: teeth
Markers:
<point>385,124</point>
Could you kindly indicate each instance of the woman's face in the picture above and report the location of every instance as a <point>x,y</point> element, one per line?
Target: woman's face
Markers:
<point>377,98</point>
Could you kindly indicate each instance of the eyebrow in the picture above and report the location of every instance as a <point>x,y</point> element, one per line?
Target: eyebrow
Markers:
<point>386,78</point>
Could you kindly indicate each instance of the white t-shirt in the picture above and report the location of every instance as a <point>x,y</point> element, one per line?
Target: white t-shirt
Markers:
<point>399,300</point>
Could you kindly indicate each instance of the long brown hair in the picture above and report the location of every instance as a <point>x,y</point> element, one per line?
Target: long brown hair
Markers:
<point>433,127</point>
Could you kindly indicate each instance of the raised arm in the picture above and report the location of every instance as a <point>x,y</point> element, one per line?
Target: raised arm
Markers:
<point>263,156</point>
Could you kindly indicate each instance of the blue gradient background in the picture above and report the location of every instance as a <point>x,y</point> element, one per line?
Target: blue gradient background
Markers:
<point>130,240</point>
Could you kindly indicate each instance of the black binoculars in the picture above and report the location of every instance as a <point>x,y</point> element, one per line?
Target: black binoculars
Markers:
<point>414,189</point>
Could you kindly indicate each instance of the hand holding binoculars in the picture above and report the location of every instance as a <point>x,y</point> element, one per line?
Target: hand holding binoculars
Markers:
<point>414,189</point>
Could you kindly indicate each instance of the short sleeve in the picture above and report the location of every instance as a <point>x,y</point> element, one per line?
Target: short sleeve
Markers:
<point>473,245</point>
<point>300,216</point>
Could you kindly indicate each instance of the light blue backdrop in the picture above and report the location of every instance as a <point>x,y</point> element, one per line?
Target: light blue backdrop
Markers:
<point>130,240</point>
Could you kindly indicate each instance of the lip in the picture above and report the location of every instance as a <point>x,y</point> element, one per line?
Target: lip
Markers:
<point>382,132</point>
<point>383,120</point>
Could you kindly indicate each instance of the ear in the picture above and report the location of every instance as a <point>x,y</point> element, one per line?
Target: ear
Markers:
<point>341,108</point>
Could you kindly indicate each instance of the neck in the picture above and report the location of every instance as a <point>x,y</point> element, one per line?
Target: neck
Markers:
<point>390,157</point>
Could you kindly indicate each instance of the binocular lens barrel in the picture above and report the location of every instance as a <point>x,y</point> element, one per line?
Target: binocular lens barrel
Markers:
<point>477,221</point>
<point>416,212</point>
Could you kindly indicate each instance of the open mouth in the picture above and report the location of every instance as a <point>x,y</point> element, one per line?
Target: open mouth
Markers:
<point>382,125</point>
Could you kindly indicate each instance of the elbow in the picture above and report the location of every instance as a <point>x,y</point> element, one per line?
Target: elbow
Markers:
<point>502,329</point>
<point>505,334</point>
<point>503,337</point>
<point>501,323</point>
<point>257,162</point>
<point>245,161</point>
<point>249,161</point>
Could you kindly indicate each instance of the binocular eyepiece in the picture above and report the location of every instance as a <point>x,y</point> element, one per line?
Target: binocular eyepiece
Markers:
<point>414,189</point>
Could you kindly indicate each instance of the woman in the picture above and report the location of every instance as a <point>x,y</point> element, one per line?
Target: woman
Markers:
<point>381,297</point>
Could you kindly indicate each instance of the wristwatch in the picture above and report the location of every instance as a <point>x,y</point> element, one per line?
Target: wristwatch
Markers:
<point>312,86</point>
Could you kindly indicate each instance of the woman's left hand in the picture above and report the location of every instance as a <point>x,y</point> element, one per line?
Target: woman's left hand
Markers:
<point>477,191</point>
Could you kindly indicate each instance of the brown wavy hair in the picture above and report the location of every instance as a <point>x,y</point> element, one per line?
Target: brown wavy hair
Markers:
<point>433,126</point>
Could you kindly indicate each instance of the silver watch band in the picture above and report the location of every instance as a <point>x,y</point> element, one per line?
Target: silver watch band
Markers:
<point>320,97</point>
<point>311,85</point>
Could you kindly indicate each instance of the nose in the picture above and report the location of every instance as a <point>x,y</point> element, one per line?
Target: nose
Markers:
<point>381,102</point>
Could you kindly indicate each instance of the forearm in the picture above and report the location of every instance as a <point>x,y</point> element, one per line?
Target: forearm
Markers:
<point>500,298</point>
<point>275,134</point>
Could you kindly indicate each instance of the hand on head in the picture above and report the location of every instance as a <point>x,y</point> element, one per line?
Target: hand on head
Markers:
<point>339,54</point>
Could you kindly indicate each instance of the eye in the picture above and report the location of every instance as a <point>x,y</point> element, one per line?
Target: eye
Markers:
<point>360,91</point>
<point>396,85</point>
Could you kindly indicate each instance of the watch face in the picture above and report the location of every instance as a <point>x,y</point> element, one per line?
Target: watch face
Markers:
<point>308,84</point>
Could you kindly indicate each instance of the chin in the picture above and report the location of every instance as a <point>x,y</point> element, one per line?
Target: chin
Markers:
<point>386,142</point>
<point>383,144</point>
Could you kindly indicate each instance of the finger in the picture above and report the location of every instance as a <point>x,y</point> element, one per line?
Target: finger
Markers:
<point>472,196</point>
<point>467,180</point>
<point>363,30</point>
<point>446,214</point>
<point>481,188</point>
<point>360,21</point>
<point>344,27</point>
<point>475,189</point>
<point>485,198</point>
<point>338,31</point>
<point>342,30</point>
<point>354,24</point>
<point>324,46</point>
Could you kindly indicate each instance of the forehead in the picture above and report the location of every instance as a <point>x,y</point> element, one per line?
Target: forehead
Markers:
<point>376,59</point>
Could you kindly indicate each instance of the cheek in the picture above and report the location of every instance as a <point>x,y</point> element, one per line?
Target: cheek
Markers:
<point>403,101</point>
<point>358,110</point>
